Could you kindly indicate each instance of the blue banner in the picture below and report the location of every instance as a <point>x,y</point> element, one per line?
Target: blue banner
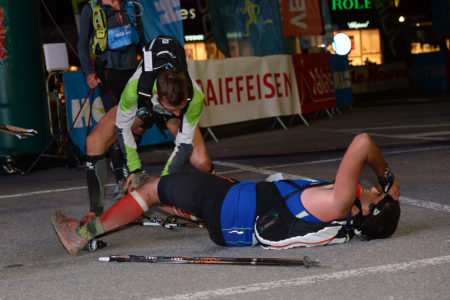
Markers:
<point>327,23</point>
<point>247,27</point>
<point>162,17</point>
<point>342,80</point>
<point>428,71</point>
<point>441,15</point>
<point>76,91</point>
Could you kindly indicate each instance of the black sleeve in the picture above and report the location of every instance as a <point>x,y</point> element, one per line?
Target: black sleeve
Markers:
<point>86,30</point>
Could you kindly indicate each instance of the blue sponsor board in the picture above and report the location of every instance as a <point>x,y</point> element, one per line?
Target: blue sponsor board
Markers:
<point>341,80</point>
<point>76,90</point>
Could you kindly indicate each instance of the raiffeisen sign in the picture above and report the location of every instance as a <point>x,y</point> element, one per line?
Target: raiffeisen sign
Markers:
<point>339,5</point>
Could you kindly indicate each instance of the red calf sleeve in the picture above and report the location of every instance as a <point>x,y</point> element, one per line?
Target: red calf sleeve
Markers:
<point>124,211</point>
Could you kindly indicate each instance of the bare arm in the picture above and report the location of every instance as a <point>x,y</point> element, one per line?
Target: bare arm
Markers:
<point>362,151</point>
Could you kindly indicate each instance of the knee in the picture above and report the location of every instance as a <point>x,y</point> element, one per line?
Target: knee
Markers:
<point>94,145</point>
<point>149,191</point>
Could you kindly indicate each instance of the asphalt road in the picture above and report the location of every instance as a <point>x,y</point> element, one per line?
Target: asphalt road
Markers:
<point>414,135</point>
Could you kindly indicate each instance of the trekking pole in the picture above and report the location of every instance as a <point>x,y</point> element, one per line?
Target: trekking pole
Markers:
<point>19,132</point>
<point>90,115</point>
<point>168,222</point>
<point>74,121</point>
<point>173,210</point>
<point>305,261</point>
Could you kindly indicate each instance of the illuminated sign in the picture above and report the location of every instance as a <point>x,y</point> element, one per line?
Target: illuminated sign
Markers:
<point>357,25</point>
<point>188,14</point>
<point>351,4</point>
<point>194,37</point>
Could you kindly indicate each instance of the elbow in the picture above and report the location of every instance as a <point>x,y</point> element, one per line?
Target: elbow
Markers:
<point>362,140</point>
<point>362,137</point>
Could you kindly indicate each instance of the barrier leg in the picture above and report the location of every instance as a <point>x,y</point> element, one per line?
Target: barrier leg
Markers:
<point>211,133</point>
<point>303,119</point>
<point>328,113</point>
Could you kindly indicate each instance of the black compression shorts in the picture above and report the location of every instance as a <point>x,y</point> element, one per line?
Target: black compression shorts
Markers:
<point>199,193</point>
<point>112,84</point>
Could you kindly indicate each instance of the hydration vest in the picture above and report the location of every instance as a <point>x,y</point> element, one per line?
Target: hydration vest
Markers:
<point>112,38</point>
<point>280,226</point>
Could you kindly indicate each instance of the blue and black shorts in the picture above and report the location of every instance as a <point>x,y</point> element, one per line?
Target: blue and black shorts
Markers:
<point>199,193</point>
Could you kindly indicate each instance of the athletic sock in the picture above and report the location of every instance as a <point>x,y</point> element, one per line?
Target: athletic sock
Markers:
<point>91,229</point>
<point>124,211</point>
<point>96,172</point>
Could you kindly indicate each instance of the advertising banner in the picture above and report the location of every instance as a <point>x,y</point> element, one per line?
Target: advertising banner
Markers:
<point>315,81</point>
<point>245,88</point>
<point>247,28</point>
<point>342,80</point>
<point>162,18</point>
<point>75,90</point>
<point>300,17</point>
<point>375,78</point>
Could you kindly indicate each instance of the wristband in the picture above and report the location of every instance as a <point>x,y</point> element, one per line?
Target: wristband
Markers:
<point>386,180</point>
<point>136,171</point>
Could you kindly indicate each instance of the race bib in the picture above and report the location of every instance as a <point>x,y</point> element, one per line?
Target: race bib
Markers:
<point>120,37</point>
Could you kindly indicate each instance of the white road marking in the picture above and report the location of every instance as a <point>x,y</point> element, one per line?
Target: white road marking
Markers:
<point>342,275</point>
<point>416,150</point>
<point>243,168</point>
<point>431,133</point>
<point>256,170</point>
<point>417,135</point>
<point>425,204</point>
<point>409,136</point>
<point>395,127</point>
<point>49,191</point>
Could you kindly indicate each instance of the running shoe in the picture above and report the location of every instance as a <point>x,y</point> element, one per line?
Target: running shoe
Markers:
<point>67,230</point>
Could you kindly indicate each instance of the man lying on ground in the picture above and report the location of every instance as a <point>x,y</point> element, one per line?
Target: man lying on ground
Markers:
<point>278,215</point>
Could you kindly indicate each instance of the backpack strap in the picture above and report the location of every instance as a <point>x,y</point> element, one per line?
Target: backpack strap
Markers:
<point>131,12</point>
<point>303,187</point>
<point>161,57</point>
<point>100,26</point>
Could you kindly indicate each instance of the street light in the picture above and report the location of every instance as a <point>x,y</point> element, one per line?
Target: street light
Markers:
<point>341,44</point>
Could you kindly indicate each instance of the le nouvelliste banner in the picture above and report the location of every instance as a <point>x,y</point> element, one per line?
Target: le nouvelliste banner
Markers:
<point>246,88</point>
<point>314,81</point>
<point>375,78</point>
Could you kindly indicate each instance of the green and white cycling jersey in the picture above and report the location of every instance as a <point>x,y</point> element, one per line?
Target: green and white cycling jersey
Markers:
<point>126,114</point>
